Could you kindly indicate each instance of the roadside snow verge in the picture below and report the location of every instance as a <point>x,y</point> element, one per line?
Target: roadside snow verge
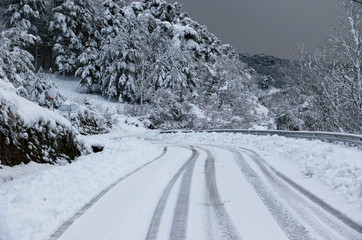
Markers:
<point>337,166</point>
<point>32,207</point>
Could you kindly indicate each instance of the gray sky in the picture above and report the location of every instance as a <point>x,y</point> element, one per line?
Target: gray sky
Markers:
<point>265,26</point>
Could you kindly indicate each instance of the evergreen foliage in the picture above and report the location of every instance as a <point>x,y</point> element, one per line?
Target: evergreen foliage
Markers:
<point>29,20</point>
<point>16,68</point>
<point>152,54</point>
<point>271,69</point>
<point>72,26</point>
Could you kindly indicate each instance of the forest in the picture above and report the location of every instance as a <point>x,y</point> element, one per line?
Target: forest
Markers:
<point>172,71</point>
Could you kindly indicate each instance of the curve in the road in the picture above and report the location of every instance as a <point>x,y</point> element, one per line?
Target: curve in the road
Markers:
<point>292,228</point>
<point>66,224</point>
<point>296,202</point>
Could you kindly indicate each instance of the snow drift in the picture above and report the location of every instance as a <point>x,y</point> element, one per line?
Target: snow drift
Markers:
<point>29,132</point>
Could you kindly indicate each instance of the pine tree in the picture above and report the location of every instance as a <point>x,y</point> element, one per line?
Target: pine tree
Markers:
<point>89,70</point>
<point>72,26</point>
<point>151,50</point>
<point>122,58</point>
<point>95,59</point>
<point>17,62</point>
<point>145,58</point>
<point>29,19</point>
<point>178,71</point>
<point>112,15</point>
<point>16,67</point>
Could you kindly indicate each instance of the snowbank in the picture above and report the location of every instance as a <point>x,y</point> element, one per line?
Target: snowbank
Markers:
<point>29,132</point>
<point>338,167</point>
<point>6,85</point>
<point>8,174</point>
<point>34,205</point>
<point>30,113</point>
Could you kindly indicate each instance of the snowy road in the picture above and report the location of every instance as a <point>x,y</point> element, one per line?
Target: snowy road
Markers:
<point>207,192</point>
<point>146,185</point>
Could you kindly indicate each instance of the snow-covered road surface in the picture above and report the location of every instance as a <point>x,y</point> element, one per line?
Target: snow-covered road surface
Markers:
<point>207,192</point>
<point>188,186</point>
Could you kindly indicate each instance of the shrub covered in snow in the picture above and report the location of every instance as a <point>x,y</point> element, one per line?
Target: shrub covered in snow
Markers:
<point>31,133</point>
<point>89,121</point>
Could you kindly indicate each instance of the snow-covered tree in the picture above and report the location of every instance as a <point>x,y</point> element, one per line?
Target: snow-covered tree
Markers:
<point>20,16</point>
<point>145,45</point>
<point>16,67</point>
<point>93,59</point>
<point>3,6</point>
<point>151,49</point>
<point>29,19</point>
<point>347,43</point>
<point>89,70</point>
<point>333,74</point>
<point>4,53</point>
<point>73,25</point>
<point>118,66</point>
<point>112,15</point>
<point>111,27</point>
<point>323,89</point>
<point>17,62</point>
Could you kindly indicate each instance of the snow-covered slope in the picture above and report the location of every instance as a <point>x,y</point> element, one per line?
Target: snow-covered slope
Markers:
<point>30,112</point>
<point>95,114</point>
<point>29,132</point>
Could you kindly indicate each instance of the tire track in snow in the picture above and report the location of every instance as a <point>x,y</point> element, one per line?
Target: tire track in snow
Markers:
<point>69,222</point>
<point>282,183</point>
<point>179,223</point>
<point>157,215</point>
<point>293,229</point>
<point>215,206</point>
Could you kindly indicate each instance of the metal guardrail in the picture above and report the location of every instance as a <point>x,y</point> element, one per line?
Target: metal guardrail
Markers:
<point>329,136</point>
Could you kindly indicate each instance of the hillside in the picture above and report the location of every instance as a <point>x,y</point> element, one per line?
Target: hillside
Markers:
<point>168,71</point>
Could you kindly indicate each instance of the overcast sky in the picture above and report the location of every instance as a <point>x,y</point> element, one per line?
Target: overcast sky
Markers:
<point>265,26</point>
